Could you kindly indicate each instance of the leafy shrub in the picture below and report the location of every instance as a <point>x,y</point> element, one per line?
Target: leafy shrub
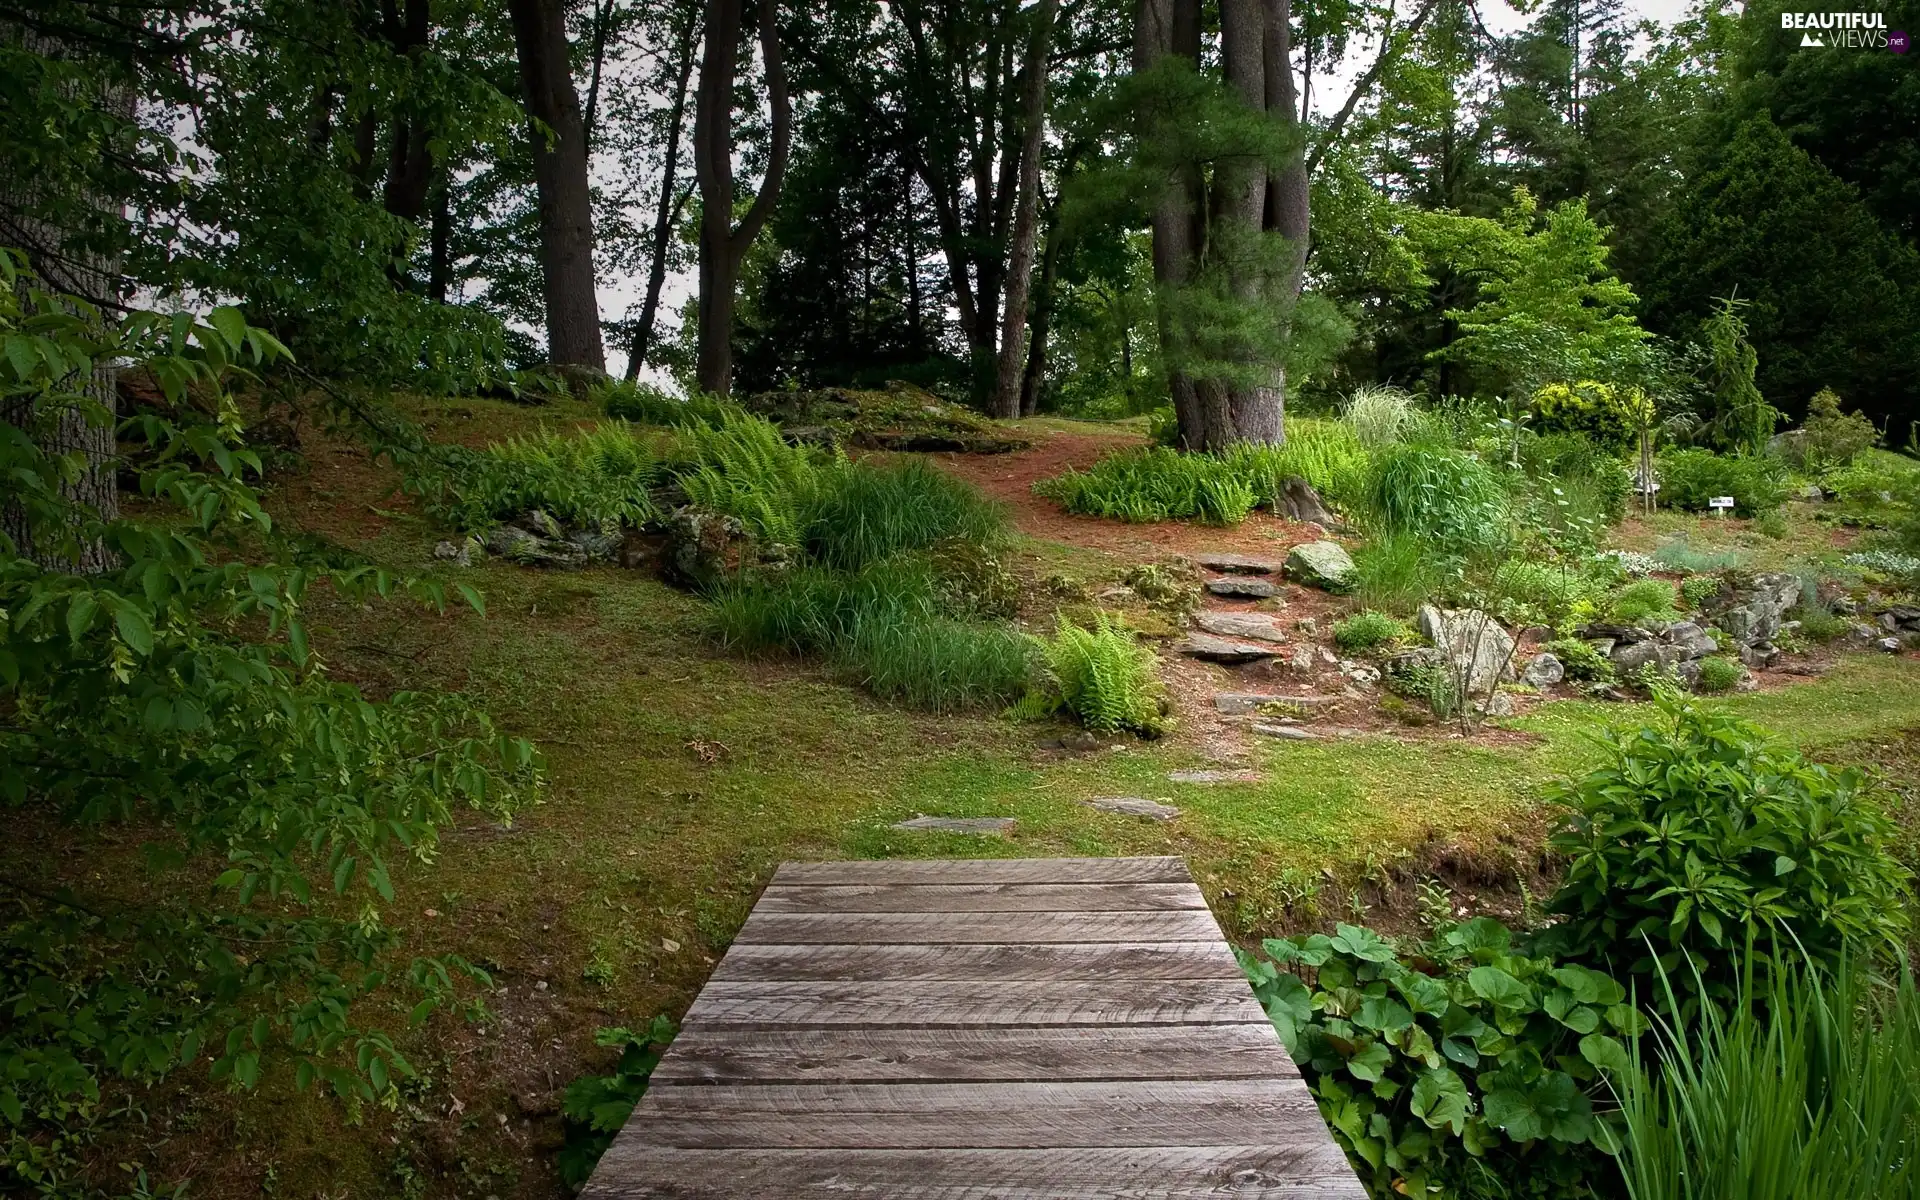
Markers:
<point>1570,459</point>
<point>1718,674</point>
<point>1691,477</point>
<point>861,513</point>
<point>1470,1067</point>
<point>603,475</point>
<point>743,469</point>
<point>1829,438</point>
<point>1771,524</point>
<point>1819,623</point>
<point>1697,590</point>
<point>1365,630</point>
<point>974,580</point>
<point>645,404</point>
<point>1804,1088</point>
<point>1644,602</point>
<point>1443,497</point>
<point>1530,590</point>
<point>1379,416</point>
<point>1701,835</point>
<point>1582,659</point>
<point>1900,568</point>
<point>1680,555</point>
<point>1154,484</point>
<point>1104,677</point>
<point>1396,573</point>
<point>1612,416</point>
<point>1420,678</point>
<point>595,1107</point>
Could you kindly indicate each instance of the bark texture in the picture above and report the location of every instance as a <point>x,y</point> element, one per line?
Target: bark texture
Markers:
<point>1026,220</point>
<point>722,243</point>
<point>560,177</point>
<point>76,270</point>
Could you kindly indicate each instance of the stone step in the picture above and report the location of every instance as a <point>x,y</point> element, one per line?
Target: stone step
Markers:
<point>1226,651</point>
<point>1134,806</point>
<point>1215,776</point>
<point>1243,587</point>
<point>1259,627</point>
<point>1239,704</point>
<point>989,826</point>
<point>1239,564</point>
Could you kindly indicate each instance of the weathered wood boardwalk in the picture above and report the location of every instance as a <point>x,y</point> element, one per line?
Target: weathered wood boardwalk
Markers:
<point>1021,1028</point>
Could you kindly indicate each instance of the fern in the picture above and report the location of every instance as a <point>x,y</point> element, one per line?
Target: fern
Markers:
<point>595,476</point>
<point>741,467</point>
<point>1104,677</point>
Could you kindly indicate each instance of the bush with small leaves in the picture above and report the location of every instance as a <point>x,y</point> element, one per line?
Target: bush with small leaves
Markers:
<point>1611,416</point>
<point>1696,590</point>
<point>1644,602</point>
<point>1369,630</point>
<point>1719,674</point>
<point>1690,478</point>
<point>1582,659</point>
<point>1468,1060</point>
<point>1701,835</point>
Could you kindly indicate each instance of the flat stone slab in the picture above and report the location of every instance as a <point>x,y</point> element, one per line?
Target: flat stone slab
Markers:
<point>1286,733</point>
<point>1134,806</point>
<point>1243,587</point>
<point>990,826</point>
<point>1225,651</point>
<point>1215,776</point>
<point>1239,564</point>
<point>1239,704</point>
<point>1259,627</point>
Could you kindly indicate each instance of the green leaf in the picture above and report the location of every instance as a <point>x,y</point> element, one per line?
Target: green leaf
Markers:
<point>1496,985</point>
<point>80,613</point>
<point>1441,1099</point>
<point>1363,944</point>
<point>1383,1014</point>
<point>1606,1053</point>
<point>133,627</point>
<point>231,326</point>
<point>1372,1063</point>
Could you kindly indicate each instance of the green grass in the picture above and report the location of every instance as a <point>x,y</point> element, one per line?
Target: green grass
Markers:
<point>605,473</point>
<point>1396,573</point>
<point>1366,630</point>
<point>865,513</point>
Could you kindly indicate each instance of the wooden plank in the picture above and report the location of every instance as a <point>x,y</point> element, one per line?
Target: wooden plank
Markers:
<point>706,1054</point>
<point>981,897</point>
<point>768,928</point>
<point>1310,1170</point>
<point>966,1004</point>
<point>1227,1112</point>
<point>1090,961</point>
<point>1164,869</point>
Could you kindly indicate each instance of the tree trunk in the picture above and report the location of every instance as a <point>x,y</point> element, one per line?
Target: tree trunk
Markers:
<point>440,242</point>
<point>560,177</point>
<point>1163,29</point>
<point>68,430</point>
<point>1034,378</point>
<point>1026,217</point>
<point>667,213</point>
<point>722,244</point>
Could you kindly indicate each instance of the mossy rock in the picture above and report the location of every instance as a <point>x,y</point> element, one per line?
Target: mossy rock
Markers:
<point>897,417</point>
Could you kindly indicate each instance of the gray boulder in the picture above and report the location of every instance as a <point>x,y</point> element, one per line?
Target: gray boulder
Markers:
<point>702,548</point>
<point>1479,651</point>
<point>540,523</point>
<point>517,545</point>
<point>1890,645</point>
<point>1324,565</point>
<point>1759,655</point>
<point>1544,670</point>
<point>1689,641</point>
<point>1636,656</point>
<point>1286,733</point>
<point>1751,614</point>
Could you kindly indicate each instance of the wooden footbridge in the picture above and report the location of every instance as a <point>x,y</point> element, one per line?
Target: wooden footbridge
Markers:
<point>976,1028</point>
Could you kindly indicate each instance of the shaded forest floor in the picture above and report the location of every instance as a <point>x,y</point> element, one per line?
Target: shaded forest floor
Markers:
<point>682,776</point>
